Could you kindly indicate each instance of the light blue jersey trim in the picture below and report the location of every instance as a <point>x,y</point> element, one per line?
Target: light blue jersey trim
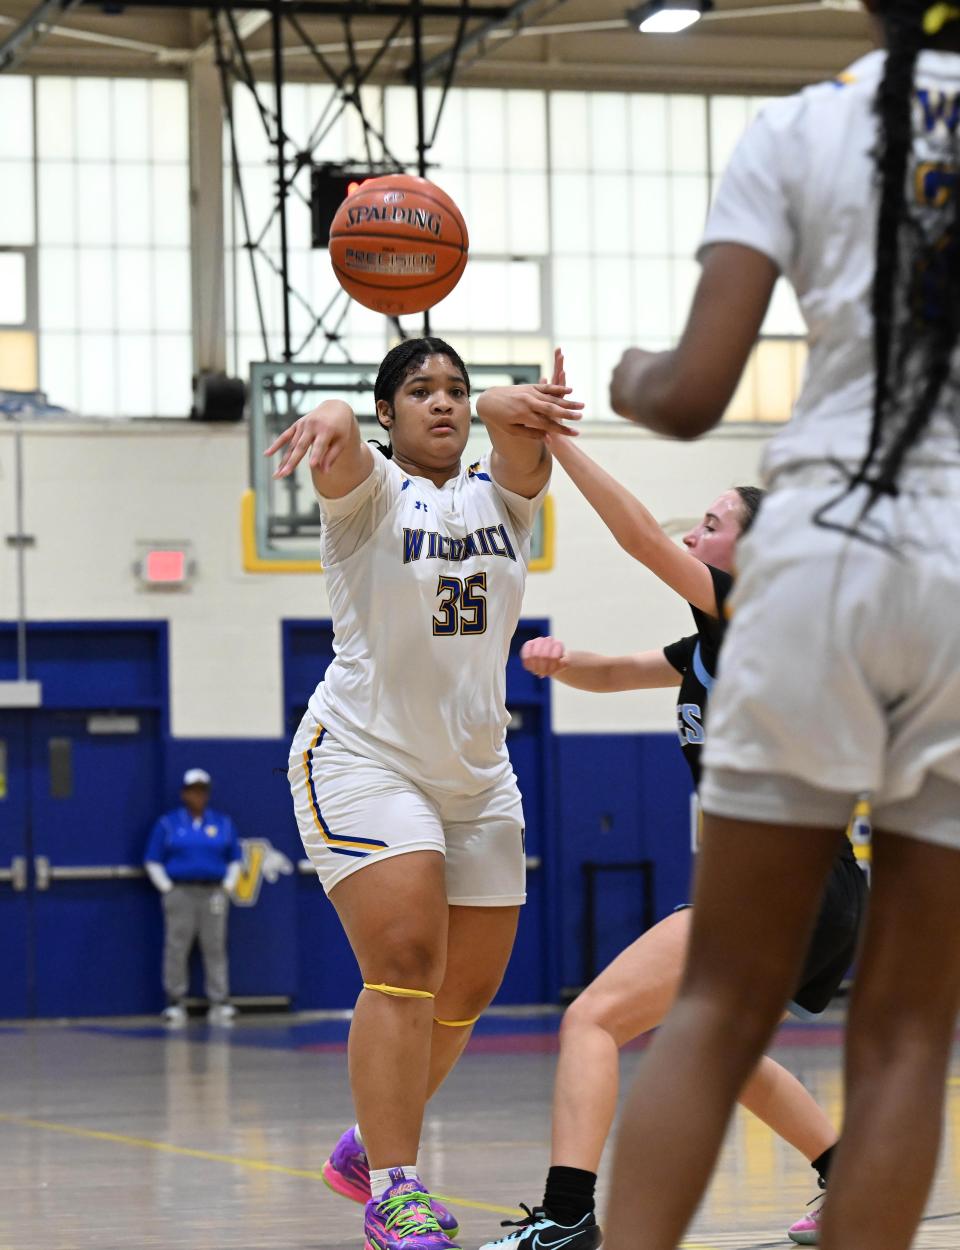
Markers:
<point>700,669</point>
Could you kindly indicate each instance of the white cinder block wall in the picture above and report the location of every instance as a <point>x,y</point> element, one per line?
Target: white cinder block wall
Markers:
<point>93,490</point>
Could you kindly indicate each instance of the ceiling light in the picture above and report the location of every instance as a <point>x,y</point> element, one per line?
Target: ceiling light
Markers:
<point>665,17</point>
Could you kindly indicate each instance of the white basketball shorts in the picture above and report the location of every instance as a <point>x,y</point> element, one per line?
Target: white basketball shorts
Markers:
<point>840,672</point>
<point>353,811</point>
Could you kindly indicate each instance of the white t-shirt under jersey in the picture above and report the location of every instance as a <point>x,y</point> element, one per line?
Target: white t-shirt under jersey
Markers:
<point>426,584</point>
<point>801,188</point>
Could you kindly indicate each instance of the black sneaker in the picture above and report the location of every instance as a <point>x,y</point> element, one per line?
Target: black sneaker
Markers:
<point>536,1231</point>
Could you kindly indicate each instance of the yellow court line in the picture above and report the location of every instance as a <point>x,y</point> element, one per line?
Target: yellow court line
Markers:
<point>254,1165</point>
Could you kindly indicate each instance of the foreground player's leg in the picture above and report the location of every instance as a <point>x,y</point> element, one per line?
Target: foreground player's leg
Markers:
<point>757,894</point>
<point>899,1035</point>
<point>395,916</point>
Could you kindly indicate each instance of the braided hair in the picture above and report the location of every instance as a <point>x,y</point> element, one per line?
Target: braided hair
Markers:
<point>406,358</point>
<point>916,289</point>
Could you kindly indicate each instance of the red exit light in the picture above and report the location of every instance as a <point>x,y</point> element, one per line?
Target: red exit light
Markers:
<point>168,567</point>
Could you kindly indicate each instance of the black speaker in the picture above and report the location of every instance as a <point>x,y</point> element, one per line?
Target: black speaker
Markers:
<point>218,398</point>
<point>329,187</point>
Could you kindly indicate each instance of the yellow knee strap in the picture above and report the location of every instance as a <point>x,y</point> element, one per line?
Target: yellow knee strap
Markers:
<point>397,991</point>
<point>456,1024</point>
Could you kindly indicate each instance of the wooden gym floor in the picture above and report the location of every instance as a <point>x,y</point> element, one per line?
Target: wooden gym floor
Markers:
<point>121,1137</point>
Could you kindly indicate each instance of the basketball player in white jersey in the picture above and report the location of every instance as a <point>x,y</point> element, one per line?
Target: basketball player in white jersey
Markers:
<point>841,668</point>
<point>402,785</point>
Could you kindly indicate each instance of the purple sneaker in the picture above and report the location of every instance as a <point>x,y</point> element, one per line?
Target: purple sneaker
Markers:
<point>347,1173</point>
<point>403,1219</point>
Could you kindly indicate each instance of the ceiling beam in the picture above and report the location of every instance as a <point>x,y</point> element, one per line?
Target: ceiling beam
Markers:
<point>496,26</point>
<point>32,28</point>
<point>325,8</point>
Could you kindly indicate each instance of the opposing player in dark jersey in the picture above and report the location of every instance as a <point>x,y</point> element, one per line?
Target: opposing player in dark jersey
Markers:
<point>634,993</point>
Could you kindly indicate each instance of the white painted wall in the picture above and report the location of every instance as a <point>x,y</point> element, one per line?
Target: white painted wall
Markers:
<point>93,490</point>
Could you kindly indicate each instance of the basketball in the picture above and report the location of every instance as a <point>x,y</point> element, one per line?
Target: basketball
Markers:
<point>398,244</point>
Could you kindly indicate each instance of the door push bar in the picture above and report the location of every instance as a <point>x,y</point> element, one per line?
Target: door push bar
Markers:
<point>47,872</point>
<point>16,874</point>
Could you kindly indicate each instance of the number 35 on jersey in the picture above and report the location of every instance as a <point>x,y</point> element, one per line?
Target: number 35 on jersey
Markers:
<point>463,606</point>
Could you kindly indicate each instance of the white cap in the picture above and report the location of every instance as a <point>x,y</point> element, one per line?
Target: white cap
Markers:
<point>196,777</point>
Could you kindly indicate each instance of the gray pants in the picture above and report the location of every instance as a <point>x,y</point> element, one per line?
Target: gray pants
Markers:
<point>194,912</point>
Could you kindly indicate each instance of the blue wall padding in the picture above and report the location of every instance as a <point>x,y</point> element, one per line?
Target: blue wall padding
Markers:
<point>621,797</point>
<point>101,664</point>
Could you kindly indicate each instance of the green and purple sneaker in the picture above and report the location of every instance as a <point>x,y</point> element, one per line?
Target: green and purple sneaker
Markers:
<point>403,1219</point>
<point>347,1173</point>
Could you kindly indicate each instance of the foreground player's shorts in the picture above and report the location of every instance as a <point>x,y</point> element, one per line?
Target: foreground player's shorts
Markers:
<point>840,673</point>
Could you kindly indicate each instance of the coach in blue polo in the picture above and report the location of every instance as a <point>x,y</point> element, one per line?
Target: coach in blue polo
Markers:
<point>193,858</point>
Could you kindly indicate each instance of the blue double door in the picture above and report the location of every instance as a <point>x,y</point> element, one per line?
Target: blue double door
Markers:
<point>80,783</point>
<point>77,925</point>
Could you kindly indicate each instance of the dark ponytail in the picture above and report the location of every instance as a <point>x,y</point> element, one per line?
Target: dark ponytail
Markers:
<point>916,289</point>
<point>400,362</point>
<point>751,497</point>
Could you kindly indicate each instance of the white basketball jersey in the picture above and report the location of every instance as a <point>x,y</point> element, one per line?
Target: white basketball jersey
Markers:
<point>801,187</point>
<point>425,584</point>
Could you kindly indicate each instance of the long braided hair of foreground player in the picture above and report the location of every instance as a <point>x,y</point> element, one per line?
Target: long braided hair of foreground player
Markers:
<point>915,304</point>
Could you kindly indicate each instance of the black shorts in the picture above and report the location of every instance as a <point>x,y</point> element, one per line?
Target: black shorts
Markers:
<point>835,937</point>
<point>834,944</point>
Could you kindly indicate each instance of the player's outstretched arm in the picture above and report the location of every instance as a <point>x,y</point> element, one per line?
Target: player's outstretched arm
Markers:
<point>517,419</point>
<point>603,674</point>
<point>330,438</point>
<point>636,529</point>
<point>684,393</point>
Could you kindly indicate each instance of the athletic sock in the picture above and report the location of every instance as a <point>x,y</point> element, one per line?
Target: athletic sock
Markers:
<point>357,1134</point>
<point>382,1178</point>
<point>821,1165</point>
<point>568,1196</point>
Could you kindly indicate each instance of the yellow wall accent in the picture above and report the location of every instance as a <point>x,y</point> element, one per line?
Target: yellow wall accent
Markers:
<point>544,563</point>
<point>253,562</point>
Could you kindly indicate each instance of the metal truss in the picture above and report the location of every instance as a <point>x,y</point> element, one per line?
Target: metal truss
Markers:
<point>404,22</point>
<point>501,27</point>
<point>31,30</point>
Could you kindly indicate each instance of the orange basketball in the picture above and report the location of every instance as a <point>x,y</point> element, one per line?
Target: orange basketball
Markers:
<point>398,244</point>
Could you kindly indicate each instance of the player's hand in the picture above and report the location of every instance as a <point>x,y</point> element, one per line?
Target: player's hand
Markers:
<point>627,381</point>
<point>544,657</point>
<point>559,370</point>
<point>530,411</point>
<point>321,436</point>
